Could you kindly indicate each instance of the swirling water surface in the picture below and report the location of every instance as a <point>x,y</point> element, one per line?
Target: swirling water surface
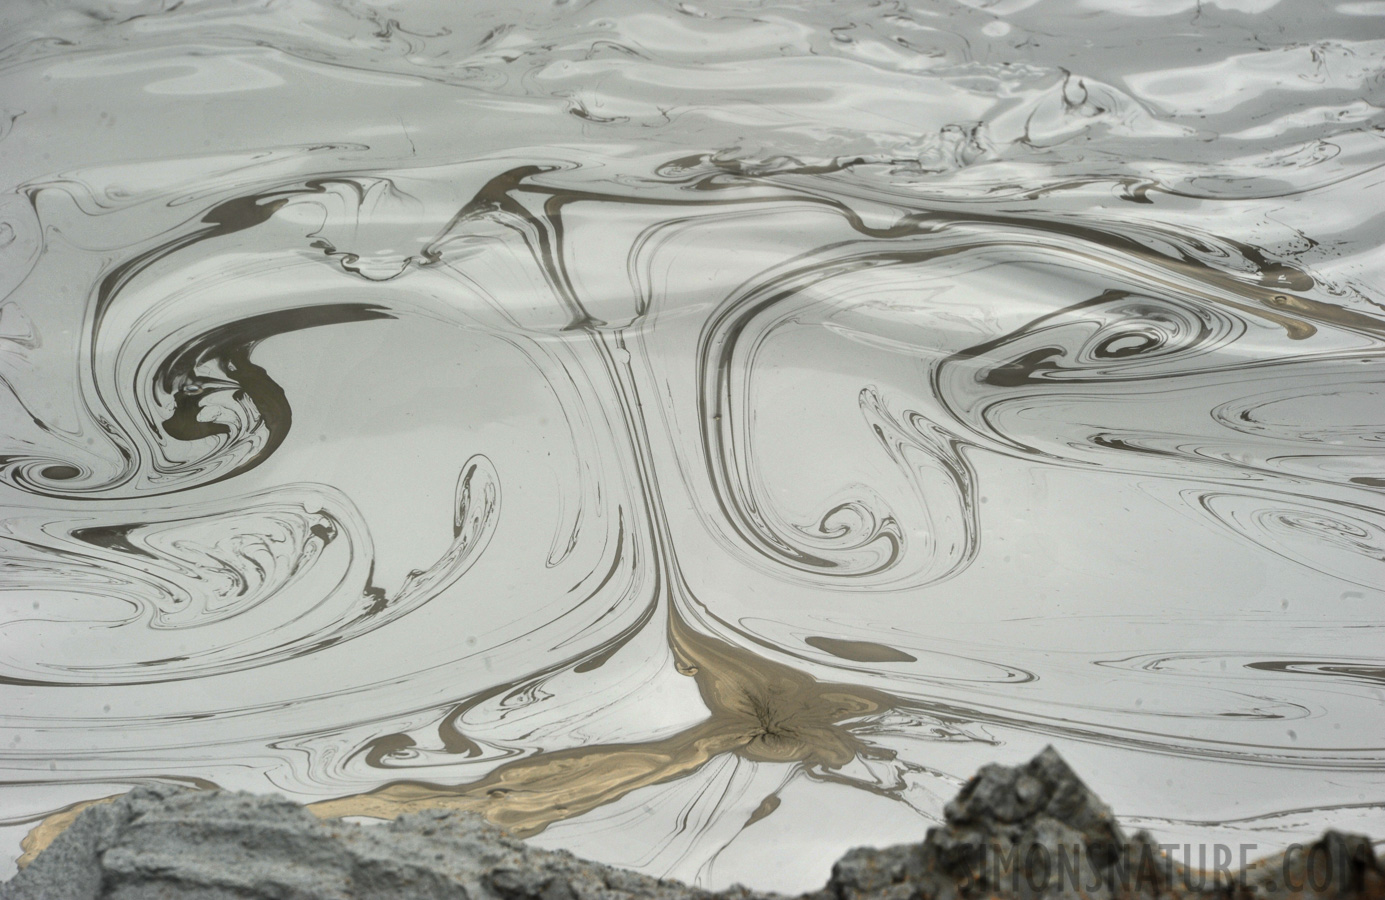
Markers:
<point>697,435</point>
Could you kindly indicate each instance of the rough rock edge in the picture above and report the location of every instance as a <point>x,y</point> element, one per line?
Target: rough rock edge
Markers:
<point>1032,832</point>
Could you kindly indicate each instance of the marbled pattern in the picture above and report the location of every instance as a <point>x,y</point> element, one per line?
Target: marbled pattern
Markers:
<point>697,435</point>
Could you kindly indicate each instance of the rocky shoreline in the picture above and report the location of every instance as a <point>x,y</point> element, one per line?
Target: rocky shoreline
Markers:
<point>1030,832</point>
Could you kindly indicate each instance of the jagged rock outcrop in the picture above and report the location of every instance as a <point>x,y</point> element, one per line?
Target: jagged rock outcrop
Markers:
<point>1033,832</point>
<point>1036,832</point>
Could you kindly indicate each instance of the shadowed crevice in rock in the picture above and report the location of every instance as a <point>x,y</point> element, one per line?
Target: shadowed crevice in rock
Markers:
<point>1027,832</point>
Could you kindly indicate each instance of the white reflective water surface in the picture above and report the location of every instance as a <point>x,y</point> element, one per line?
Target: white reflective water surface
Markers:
<point>697,435</point>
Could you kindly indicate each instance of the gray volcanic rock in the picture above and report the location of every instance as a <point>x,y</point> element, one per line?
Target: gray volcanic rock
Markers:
<point>167,842</point>
<point>1036,832</point>
<point>1033,832</point>
<point>1009,832</point>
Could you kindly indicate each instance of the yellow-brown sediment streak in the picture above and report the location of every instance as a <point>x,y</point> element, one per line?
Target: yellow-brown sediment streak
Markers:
<point>47,831</point>
<point>760,709</point>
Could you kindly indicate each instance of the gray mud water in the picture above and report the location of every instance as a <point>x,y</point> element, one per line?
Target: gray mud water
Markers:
<point>695,434</point>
